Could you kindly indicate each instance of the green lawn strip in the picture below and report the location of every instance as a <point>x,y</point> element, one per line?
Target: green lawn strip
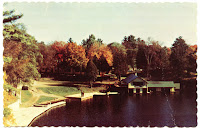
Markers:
<point>25,95</point>
<point>60,90</point>
<point>93,89</point>
<point>45,98</point>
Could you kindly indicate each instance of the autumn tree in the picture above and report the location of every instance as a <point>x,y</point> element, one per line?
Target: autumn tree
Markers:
<point>164,63</point>
<point>101,55</point>
<point>192,57</point>
<point>20,64</point>
<point>119,59</point>
<point>148,56</point>
<point>49,61</point>
<point>60,55</point>
<point>8,98</point>
<point>75,56</point>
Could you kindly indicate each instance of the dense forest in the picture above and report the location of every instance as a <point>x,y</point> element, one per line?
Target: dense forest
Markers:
<point>25,59</point>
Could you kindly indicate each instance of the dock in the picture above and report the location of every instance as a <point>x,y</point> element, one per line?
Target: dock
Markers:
<point>86,96</point>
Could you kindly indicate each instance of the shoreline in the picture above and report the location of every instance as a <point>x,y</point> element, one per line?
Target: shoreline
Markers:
<point>38,116</point>
<point>25,116</point>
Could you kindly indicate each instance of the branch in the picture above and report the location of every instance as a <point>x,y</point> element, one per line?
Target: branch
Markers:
<point>12,18</point>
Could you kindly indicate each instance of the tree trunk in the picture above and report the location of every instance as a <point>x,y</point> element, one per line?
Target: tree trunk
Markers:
<point>148,71</point>
<point>119,77</point>
<point>91,84</point>
<point>81,70</point>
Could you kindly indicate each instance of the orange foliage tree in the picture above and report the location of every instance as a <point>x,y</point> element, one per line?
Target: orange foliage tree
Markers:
<point>49,61</point>
<point>59,47</point>
<point>69,56</point>
<point>102,56</point>
<point>192,57</point>
<point>75,56</point>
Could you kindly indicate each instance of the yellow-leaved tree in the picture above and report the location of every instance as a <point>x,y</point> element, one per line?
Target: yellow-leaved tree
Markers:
<point>8,119</point>
<point>75,56</point>
<point>102,56</point>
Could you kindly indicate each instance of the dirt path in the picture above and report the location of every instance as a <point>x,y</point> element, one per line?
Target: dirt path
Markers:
<point>48,82</point>
<point>32,100</point>
<point>36,93</point>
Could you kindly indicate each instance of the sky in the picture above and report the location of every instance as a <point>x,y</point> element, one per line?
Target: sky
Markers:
<point>163,22</point>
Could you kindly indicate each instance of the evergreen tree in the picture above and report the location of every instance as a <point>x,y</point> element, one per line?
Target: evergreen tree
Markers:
<point>178,58</point>
<point>10,17</point>
<point>140,57</point>
<point>131,48</point>
<point>91,72</point>
<point>70,40</point>
<point>88,42</point>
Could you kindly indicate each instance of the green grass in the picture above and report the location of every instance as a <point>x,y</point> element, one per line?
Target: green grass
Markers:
<point>25,95</point>
<point>60,90</point>
<point>93,89</point>
<point>44,98</point>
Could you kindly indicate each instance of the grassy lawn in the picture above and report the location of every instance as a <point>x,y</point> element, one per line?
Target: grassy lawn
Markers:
<point>44,98</point>
<point>60,90</point>
<point>25,95</point>
<point>93,89</point>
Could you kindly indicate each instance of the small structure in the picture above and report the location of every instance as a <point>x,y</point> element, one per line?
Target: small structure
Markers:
<point>177,86</point>
<point>159,85</point>
<point>137,84</point>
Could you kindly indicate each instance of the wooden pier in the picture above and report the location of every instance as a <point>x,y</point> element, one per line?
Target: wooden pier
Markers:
<point>86,96</point>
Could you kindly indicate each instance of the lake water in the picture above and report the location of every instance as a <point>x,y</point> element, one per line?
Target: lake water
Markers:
<point>157,109</point>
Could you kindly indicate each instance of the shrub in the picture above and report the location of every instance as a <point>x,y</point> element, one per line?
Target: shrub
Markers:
<point>6,112</point>
<point>24,87</point>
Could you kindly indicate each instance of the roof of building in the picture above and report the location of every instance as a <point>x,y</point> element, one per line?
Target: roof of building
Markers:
<point>132,77</point>
<point>177,85</point>
<point>160,84</point>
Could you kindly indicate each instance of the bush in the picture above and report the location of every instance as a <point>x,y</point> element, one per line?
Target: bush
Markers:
<point>24,87</point>
<point>6,112</point>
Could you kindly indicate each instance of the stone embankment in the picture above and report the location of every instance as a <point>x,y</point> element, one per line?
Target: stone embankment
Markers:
<point>24,116</point>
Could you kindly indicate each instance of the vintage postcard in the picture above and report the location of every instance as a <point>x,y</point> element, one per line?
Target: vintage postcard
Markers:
<point>104,64</point>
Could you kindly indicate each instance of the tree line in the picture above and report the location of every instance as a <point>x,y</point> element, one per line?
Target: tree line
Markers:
<point>25,59</point>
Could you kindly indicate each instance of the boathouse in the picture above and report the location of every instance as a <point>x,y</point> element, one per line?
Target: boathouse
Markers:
<point>159,86</point>
<point>137,84</point>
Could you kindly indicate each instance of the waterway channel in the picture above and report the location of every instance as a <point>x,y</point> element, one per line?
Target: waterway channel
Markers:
<point>147,110</point>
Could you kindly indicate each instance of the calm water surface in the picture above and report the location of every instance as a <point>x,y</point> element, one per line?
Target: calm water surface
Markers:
<point>159,109</point>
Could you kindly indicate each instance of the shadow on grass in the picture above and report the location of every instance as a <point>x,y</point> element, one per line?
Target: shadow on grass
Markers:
<point>75,81</point>
<point>63,77</point>
<point>76,84</point>
<point>77,77</point>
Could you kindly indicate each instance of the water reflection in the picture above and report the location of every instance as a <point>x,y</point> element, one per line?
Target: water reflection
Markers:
<point>158,109</point>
